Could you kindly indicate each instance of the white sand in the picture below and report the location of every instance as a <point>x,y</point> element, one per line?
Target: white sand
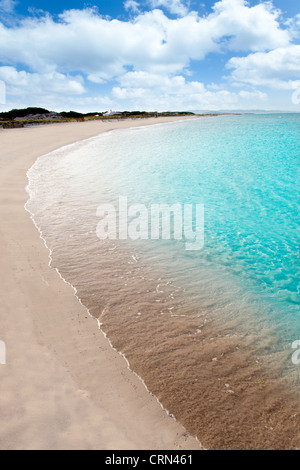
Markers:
<point>63,386</point>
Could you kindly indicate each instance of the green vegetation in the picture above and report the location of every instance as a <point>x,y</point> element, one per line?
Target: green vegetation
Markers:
<point>30,116</point>
<point>20,113</point>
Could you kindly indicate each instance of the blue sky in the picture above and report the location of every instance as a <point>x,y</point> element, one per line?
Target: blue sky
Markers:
<point>150,54</point>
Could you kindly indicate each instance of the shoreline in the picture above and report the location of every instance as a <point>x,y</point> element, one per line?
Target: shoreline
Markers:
<point>64,386</point>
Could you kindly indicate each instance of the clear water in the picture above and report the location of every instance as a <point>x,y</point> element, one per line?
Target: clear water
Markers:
<point>244,169</point>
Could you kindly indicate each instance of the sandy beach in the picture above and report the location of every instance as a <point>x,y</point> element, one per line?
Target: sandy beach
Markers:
<point>63,386</point>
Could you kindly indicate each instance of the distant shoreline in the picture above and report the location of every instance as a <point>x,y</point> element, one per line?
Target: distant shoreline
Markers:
<point>16,119</point>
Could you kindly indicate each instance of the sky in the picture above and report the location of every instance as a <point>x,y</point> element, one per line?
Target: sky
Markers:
<point>153,55</point>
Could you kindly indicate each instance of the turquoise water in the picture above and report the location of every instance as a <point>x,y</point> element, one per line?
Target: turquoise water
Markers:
<point>209,331</point>
<point>244,169</point>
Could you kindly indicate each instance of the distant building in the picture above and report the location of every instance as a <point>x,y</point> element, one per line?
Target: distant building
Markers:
<point>110,113</point>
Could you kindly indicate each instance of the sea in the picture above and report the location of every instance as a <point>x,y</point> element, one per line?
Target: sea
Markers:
<point>213,331</point>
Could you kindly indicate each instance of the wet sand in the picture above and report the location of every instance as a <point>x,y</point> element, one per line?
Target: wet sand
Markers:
<point>63,386</point>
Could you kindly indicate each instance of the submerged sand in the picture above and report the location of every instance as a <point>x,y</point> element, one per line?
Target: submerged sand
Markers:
<point>63,386</point>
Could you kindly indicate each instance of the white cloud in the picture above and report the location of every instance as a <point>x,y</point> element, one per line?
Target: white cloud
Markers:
<point>254,28</point>
<point>141,89</point>
<point>7,5</point>
<point>2,92</point>
<point>253,95</point>
<point>57,55</point>
<point>86,42</point>
<point>22,83</point>
<point>132,5</point>
<point>176,7</point>
<point>293,25</point>
<point>97,78</point>
<point>279,69</point>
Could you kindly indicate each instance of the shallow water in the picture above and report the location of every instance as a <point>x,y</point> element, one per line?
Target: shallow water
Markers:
<point>209,331</point>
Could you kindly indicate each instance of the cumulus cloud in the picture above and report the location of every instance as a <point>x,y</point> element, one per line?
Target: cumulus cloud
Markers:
<point>176,7</point>
<point>7,6</point>
<point>19,83</point>
<point>149,56</point>
<point>254,28</point>
<point>167,92</point>
<point>132,5</point>
<point>84,41</point>
<point>279,68</point>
